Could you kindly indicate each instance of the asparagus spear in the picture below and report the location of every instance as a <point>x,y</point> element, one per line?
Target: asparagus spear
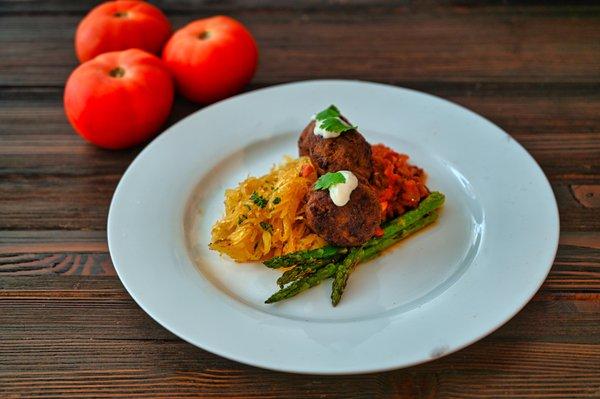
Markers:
<point>300,271</point>
<point>330,269</point>
<point>385,242</point>
<point>303,284</point>
<point>343,272</point>
<point>308,256</point>
<point>433,201</point>
<point>313,266</point>
<point>362,254</point>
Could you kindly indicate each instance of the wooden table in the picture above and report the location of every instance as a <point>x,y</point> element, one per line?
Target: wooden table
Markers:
<point>69,329</point>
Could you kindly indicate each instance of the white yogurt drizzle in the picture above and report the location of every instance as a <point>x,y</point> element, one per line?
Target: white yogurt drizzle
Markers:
<point>326,134</point>
<point>340,193</point>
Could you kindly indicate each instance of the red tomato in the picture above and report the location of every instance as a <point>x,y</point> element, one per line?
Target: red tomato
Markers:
<point>120,25</point>
<point>119,99</point>
<point>211,58</point>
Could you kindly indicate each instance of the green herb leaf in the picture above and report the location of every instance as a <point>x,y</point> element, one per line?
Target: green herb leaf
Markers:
<point>266,226</point>
<point>330,119</point>
<point>259,200</point>
<point>335,125</point>
<point>329,179</point>
<point>242,218</point>
<point>276,200</point>
<point>331,112</point>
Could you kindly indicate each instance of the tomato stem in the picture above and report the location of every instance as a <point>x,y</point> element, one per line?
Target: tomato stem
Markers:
<point>117,72</point>
<point>204,35</point>
<point>120,14</point>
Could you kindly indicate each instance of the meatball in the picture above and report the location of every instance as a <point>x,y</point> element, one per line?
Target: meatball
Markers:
<point>307,140</point>
<point>350,151</point>
<point>349,225</point>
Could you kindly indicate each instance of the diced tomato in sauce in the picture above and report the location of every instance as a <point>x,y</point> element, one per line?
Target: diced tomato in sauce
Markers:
<point>399,185</point>
<point>307,170</point>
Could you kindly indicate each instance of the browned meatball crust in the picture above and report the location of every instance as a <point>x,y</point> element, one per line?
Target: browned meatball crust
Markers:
<point>307,140</point>
<point>350,151</point>
<point>349,225</point>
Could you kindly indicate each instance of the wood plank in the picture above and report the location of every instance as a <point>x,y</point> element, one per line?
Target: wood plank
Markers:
<point>185,6</point>
<point>52,241</point>
<point>57,286</point>
<point>588,240</point>
<point>462,45</point>
<point>544,117</point>
<point>61,7</point>
<point>84,368</point>
<point>576,269</point>
<point>519,108</point>
<point>47,144</point>
<point>99,307</point>
<point>574,216</point>
<point>52,202</point>
<point>87,264</point>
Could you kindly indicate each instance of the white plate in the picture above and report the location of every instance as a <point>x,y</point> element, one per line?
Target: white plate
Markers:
<point>432,295</point>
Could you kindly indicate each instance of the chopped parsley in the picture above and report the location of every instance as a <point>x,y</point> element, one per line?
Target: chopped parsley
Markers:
<point>259,200</point>
<point>276,200</point>
<point>242,218</point>
<point>266,226</point>
<point>329,179</point>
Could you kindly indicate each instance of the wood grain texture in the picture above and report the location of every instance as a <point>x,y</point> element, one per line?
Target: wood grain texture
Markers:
<point>34,241</point>
<point>508,45</point>
<point>62,263</point>
<point>173,369</point>
<point>69,329</point>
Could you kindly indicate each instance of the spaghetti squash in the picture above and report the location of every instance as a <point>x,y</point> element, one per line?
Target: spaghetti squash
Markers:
<point>264,216</point>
